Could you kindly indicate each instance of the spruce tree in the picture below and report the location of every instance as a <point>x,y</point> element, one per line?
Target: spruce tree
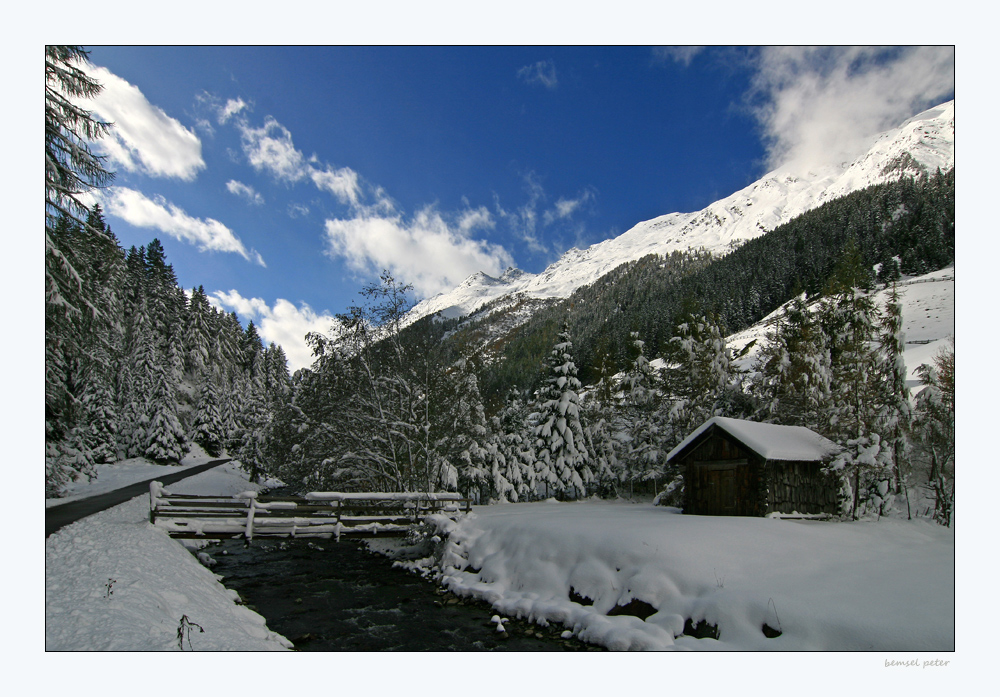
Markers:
<point>515,443</point>
<point>698,375</point>
<point>197,339</point>
<point>464,434</point>
<point>560,443</point>
<point>164,440</point>
<point>208,429</point>
<point>849,317</point>
<point>71,169</point>
<point>642,400</point>
<point>793,371</point>
<point>934,429</point>
<point>896,412</point>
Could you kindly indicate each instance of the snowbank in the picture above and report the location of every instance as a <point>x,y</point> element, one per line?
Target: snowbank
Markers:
<point>886,586</point>
<point>113,582</point>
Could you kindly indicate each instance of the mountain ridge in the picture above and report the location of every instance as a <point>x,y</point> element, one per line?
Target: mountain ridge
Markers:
<point>921,144</point>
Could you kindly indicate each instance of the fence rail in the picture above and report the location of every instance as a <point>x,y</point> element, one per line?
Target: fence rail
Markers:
<point>318,514</point>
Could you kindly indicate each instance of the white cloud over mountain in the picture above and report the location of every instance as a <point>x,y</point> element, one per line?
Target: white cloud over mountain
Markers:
<point>428,251</point>
<point>819,105</point>
<point>431,250</point>
<point>145,139</point>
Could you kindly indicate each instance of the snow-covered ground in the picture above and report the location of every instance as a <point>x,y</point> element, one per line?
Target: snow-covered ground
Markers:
<point>113,582</point>
<point>892,580</point>
<point>864,586</point>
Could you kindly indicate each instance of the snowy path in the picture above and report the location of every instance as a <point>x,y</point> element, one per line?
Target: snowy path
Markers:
<point>58,516</point>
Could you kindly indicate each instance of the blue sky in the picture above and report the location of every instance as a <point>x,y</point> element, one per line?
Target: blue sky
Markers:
<point>284,179</point>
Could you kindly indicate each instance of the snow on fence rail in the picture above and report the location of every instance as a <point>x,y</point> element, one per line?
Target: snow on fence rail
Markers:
<point>317,514</point>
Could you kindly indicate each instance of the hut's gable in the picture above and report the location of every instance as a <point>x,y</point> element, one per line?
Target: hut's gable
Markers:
<point>734,467</point>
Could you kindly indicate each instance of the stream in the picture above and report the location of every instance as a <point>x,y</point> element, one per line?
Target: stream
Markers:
<point>325,595</point>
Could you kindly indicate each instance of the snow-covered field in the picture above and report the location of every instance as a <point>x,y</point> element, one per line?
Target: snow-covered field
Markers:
<point>864,586</point>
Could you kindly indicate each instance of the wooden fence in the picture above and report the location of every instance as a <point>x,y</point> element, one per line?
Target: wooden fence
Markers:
<point>317,514</point>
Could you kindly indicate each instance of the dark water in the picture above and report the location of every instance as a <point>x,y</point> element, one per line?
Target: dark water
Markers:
<point>325,595</point>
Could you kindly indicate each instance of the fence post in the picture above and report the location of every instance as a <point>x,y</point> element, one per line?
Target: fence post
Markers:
<point>154,494</point>
<point>253,507</point>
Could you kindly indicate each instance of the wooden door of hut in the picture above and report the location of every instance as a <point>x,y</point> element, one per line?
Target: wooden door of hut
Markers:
<point>718,489</point>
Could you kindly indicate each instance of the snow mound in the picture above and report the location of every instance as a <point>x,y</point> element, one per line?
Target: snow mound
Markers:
<point>823,586</point>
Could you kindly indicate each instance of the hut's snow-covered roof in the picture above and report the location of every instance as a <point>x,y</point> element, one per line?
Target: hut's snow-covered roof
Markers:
<point>770,441</point>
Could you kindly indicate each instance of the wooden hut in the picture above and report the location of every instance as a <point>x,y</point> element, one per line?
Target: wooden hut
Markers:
<point>736,467</point>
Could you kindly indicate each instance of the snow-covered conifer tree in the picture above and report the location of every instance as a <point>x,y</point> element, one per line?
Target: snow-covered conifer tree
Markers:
<point>642,397</point>
<point>515,442</point>
<point>793,371</point>
<point>464,434</point>
<point>699,373</point>
<point>934,429</point>
<point>849,316</point>
<point>896,412</point>
<point>197,334</point>
<point>208,429</point>
<point>560,443</point>
<point>164,437</point>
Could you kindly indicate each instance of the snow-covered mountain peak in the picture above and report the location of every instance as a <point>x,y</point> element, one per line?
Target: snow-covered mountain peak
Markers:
<point>512,274</point>
<point>923,143</point>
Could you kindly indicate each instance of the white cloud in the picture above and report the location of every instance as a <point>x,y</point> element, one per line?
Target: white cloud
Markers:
<point>820,105</point>
<point>270,148</point>
<point>342,183</point>
<point>297,210</point>
<point>427,251</point>
<point>565,208</point>
<point>230,109</point>
<point>679,54</point>
<point>529,219</point>
<point>524,221</point>
<point>284,324</point>
<point>209,235</point>
<point>244,191</point>
<point>541,73</point>
<point>474,218</point>
<point>144,139</point>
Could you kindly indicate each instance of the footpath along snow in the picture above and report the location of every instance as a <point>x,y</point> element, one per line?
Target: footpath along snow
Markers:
<point>121,474</point>
<point>882,586</point>
<point>115,583</point>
